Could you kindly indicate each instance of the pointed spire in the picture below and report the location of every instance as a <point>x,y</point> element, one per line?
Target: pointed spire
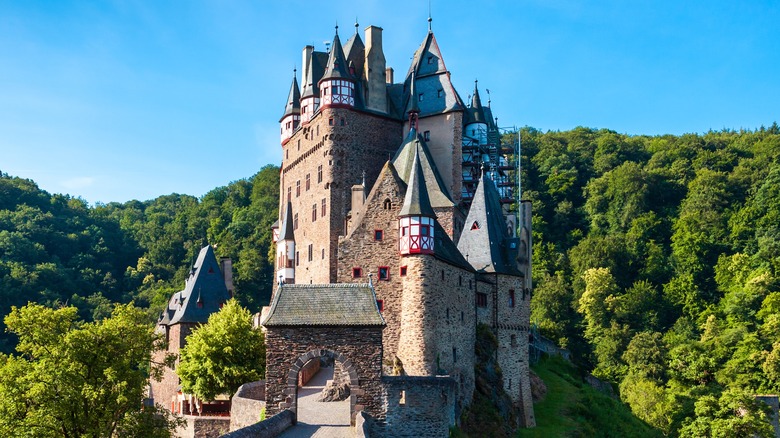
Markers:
<point>476,112</point>
<point>286,230</point>
<point>412,108</point>
<point>293,98</point>
<point>337,65</point>
<point>416,200</point>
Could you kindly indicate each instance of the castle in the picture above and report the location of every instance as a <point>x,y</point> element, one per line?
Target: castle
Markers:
<point>395,240</point>
<point>384,187</point>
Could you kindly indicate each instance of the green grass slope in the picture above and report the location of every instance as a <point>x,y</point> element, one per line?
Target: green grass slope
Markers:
<point>572,408</point>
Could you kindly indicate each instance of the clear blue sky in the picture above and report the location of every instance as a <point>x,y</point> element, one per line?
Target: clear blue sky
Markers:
<point>120,100</point>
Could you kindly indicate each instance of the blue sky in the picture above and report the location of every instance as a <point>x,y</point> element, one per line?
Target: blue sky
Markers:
<point>119,100</point>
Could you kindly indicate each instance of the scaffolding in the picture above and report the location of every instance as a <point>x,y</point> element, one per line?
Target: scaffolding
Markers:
<point>490,149</point>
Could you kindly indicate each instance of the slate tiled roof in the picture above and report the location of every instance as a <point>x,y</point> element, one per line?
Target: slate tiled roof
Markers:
<point>205,285</point>
<point>403,162</point>
<point>337,67</point>
<point>416,201</point>
<point>286,229</point>
<point>485,239</point>
<point>344,304</point>
<point>431,76</point>
<point>293,100</point>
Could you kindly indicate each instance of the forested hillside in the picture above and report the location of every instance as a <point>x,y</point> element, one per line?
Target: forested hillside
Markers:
<point>656,263</point>
<point>655,260</point>
<point>56,249</point>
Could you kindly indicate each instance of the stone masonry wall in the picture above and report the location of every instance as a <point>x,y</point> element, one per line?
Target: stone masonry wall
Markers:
<point>204,427</point>
<point>438,323</point>
<point>165,390</point>
<point>246,404</point>
<point>345,143</point>
<point>418,407</point>
<point>360,250</point>
<point>359,349</point>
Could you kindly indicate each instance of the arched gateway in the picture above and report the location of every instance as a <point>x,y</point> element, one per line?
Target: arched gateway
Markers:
<point>340,321</point>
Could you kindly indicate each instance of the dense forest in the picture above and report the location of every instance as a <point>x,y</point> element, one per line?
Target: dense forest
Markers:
<point>655,260</point>
<point>56,249</point>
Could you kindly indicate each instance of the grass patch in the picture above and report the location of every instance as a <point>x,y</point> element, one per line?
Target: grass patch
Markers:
<point>574,409</point>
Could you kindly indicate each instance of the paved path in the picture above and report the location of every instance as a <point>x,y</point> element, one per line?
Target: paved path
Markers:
<point>317,419</point>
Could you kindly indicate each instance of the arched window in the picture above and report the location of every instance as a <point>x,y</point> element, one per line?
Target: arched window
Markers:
<point>388,204</point>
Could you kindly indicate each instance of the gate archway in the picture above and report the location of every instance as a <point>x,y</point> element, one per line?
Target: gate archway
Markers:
<point>346,366</point>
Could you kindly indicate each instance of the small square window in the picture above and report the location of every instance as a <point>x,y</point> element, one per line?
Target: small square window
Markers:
<point>380,304</point>
<point>357,272</point>
<point>481,300</point>
<point>378,235</point>
<point>330,121</point>
<point>384,273</point>
<point>511,298</point>
<point>403,271</point>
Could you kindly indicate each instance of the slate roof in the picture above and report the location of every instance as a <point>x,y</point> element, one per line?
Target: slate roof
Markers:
<point>206,285</point>
<point>430,78</point>
<point>488,245</point>
<point>337,64</point>
<point>314,71</point>
<point>286,229</point>
<point>345,304</point>
<point>293,100</point>
<point>403,162</point>
<point>416,201</point>
<point>476,114</point>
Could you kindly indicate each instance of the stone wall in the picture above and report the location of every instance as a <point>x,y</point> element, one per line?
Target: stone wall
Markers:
<point>204,427</point>
<point>359,349</point>
<point>438,322</point>
<point>268,428</point>
<point>345,143</point>
<point>247,404</point>
<point>418,407</point>
<point>165,390</point>
<point>308,371</point>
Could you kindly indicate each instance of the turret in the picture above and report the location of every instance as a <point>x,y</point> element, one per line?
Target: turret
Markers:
<point>285,249</point>
<point>476,123</point>
<point>416,219</point>
<point>337,86</point>
<point>292,112</point>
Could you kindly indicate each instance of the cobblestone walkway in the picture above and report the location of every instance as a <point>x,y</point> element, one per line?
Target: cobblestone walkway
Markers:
<point>320,420</point>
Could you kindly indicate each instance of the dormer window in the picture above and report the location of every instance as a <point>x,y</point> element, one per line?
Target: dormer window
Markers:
<point>475,225</point>
<point>430,59</point>
<point>420,97</point>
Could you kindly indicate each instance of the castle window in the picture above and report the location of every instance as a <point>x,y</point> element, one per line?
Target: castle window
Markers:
<point>330,121</point>
<point>448,313</point>
<point>311,252</point>
<point>441,93</point>
<point>318,130</point>
<point>481,300</point>
<point>511,298</point>
<point>323,208</point>
<point>380,304</point>
<point>442,274</point>
<point>297,259</point>
<point>402,271</point>
<point>378,235</point>
<point>314,213</point>
<point>475,225</point>
<point>299,145</point>
<point>462,316</point>
<point>430,59</point>
<point>454,354</point>
<point>420,97</point>
<point>469,284</point>
<point>295,221</point>
<point>323,253</point>
<point>341,121</point>
<point>388,204</point>
<point>286,154</point>
<point>297,188</point>
<point>460,280</point>
<point>319,173</point>
<point>308,181</point>
<point>427,135</point>
<point>384,273</point>
<point>357,272</point>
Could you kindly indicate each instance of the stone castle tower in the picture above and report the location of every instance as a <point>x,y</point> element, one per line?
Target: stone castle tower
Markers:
<point>376,187</point>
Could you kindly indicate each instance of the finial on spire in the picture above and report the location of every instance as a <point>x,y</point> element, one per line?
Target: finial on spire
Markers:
<point>371,279</point>
<point>356,25</point>
<point>429,16</point>
<point>337,27</point>
<point>482,169</point>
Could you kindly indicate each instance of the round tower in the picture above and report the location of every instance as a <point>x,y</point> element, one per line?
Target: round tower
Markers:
<point>476,125</point>
<point>337,86</point>
<point>285,249</point>
<point>416,219</point>
<point>292,112</point>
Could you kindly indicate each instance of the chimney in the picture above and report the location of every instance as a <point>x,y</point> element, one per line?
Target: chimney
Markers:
<point>389,75</point>
<point>306,59</point>
<point>374,71</point>
<point>226,265</point>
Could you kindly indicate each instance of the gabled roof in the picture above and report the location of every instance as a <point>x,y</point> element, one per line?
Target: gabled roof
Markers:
<point>416,201</point>
<point>314,71</point>
<point>206,285</point>
<point>346,304</point>
<point>431,76</point>
<point>403,161</point>
<point>355,52</point>
<point>337,64</point>
<point>286,230</point>
<point>485,240</point>
<point>293,100</point>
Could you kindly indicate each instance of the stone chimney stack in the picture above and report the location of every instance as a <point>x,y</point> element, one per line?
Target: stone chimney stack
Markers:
<point>374,71</point>
<point>226,266</point>
<point>389,75</point>
<point>305,60</point>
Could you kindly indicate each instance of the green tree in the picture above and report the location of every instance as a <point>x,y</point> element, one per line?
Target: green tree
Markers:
<point>222,354</point>
<point>734,414</point>
<point>76,379</point>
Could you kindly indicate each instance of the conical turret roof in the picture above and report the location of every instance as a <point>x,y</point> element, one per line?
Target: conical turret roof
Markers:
<point>416,200</point>
<point>293,100</point>
<point>337,67</point>
<point>403,163</point>
<point>286,230</point>
<point>476,112</point>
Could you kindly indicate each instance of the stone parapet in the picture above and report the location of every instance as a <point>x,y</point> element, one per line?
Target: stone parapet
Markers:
<point>269,428</point>
<point>247,404</point>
